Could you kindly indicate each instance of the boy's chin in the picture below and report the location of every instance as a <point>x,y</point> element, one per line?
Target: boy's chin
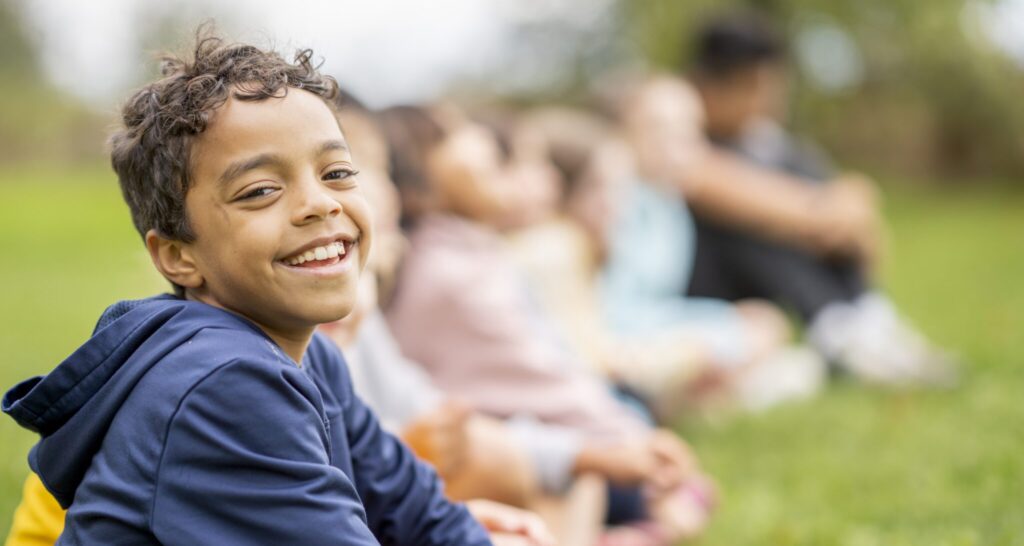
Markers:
<point>332,311</point>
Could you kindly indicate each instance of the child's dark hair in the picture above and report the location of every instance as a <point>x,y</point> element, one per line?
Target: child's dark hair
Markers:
<point>412,132</point>
<point>346,100</point>
<point>572,137</point>
<point>735,41</point>
<point>151,151</point>
<point>502,122</point>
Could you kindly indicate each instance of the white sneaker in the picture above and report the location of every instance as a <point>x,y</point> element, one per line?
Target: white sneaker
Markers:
<point>870,340</point>
<point>791,373</point>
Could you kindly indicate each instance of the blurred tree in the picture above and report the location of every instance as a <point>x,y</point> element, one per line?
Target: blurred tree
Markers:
<point>935,95</point>
<point>37,122</point>
<point>17,57</point>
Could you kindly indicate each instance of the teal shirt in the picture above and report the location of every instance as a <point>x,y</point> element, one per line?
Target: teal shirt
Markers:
<point>648,269</point>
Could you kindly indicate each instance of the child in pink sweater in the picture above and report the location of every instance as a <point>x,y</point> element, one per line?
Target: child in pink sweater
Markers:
<point>462,310</point>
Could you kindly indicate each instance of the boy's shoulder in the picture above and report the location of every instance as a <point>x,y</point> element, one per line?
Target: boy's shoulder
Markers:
<point>184,339</point>
<point>162,343</point>
<point>184,343</point>
<point>118,391</point>
<point>232,358</point>
<point>195,343</point>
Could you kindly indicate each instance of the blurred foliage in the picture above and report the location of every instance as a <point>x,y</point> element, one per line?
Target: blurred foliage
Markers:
<point>17,59</point>
<point>937,100</point>
<point>936,96</point>
<point>37,122</point>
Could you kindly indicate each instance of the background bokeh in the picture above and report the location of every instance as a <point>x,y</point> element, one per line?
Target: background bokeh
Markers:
<point>925,96</point>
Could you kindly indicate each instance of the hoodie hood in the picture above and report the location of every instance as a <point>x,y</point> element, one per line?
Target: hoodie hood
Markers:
<point>73,406</point>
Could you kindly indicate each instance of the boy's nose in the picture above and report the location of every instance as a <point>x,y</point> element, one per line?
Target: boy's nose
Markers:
<point>315,202</point>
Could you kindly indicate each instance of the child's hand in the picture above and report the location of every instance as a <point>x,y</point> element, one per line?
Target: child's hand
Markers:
<point>675,462</point>
<point>510,526</point>
<point>625,463</point>
<point>661,462</point>
<point>684,512</point>
<point>852,225</point>
<point>441,437</point>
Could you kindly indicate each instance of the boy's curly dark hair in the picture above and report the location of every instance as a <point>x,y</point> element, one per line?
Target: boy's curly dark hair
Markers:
<point>151,151</point>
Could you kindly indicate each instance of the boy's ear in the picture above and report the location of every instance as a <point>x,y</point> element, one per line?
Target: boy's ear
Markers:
<point>174,260</point>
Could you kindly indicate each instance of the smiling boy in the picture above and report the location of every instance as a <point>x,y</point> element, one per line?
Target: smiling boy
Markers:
<point>274,181</point>
<point>215,416</point>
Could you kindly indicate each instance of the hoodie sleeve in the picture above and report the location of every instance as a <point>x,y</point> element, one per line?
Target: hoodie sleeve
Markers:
<point>247,461</point>
<point>403,496</point>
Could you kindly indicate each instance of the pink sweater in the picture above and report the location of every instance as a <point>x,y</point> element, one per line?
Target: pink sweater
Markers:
<point>463,311</point>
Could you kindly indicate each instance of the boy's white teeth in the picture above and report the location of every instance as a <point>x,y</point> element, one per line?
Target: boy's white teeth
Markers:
<point>332,250</point>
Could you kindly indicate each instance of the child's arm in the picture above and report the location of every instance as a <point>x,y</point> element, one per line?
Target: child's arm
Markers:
<point>496,467</point>
<point>829,219</point>
<point>246,460</point>
<point>404,498</point>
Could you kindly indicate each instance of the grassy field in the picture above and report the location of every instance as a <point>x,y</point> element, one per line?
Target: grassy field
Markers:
<point>854,467</point>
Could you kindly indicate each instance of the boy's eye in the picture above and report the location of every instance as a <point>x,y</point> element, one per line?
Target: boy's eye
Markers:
<point>257,192</point>
<point>340,174</point>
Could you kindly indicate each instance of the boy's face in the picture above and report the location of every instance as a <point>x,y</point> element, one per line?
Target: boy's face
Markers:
<point>282,231</point>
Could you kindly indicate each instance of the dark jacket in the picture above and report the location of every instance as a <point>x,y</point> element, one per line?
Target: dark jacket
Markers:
<point>180,423</point>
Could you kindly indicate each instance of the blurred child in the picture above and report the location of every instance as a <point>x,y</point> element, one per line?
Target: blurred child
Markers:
<point>442,432</point>
<point>740,69</point>
<point>461,311</point>
<point>478,456</point>
<point>613,269</point>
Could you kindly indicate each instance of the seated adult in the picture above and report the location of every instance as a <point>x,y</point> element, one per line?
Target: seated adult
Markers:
<point>779,225</point>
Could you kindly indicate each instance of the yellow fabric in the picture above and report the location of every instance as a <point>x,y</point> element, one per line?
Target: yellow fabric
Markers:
<point>38,520</point>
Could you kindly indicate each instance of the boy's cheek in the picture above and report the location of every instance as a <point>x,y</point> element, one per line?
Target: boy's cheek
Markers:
<point>363,217</point>
<point>365,248</point>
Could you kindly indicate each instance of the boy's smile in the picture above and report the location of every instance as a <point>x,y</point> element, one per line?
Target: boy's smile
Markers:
<point>318,256</point>
<point>282,231</point>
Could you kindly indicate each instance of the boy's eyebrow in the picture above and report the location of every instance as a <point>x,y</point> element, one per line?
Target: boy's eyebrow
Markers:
<point>332,145</point>
<point>244,165</point>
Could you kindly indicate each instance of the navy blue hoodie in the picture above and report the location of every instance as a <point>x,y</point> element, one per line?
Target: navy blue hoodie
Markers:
<point>180,423</point>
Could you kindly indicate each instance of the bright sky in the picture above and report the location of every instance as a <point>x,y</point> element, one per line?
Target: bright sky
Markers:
<point>1005,22</point>
<point>384,50</point>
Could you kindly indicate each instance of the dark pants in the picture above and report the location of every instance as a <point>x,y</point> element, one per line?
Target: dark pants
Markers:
<point>734,265</point>
<point>626,504</point>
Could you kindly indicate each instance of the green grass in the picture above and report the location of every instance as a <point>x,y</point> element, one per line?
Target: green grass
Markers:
<point>68,249</point>
<point>859,467</point>
<point>854,467</point>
